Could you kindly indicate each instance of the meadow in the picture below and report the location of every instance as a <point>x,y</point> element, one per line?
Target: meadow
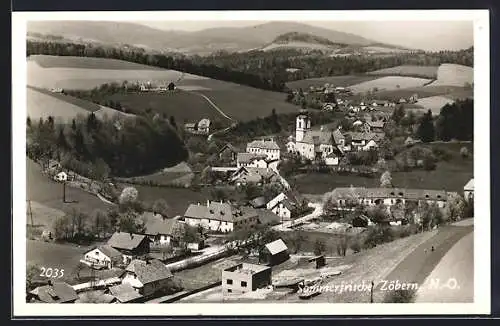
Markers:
<point>454,75</point>
<point>50,61</point>
<point>434,103</point>
<point>408,70</point>
<point>452,92</point>
<point>389,83</point>
<point>41,105</point>
<point>337,81</point>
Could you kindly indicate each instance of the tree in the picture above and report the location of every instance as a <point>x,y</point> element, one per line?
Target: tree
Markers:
<point>101,170</point>
<point>455,208</point>
<point>430,216</point>
<point>464,152</point>
<point>319,247</point>
<point>342,245</point>
<point>128,195</point>
<point>386,180</point>
<point>378,214</point>
<point>131,222</point>
<point>62,228</point>
<point>100,223</point>
<point>398,114</point>
<point>426,131</point>
<point>296,240</point>
<point>172,121</point>
<point>160,206</point>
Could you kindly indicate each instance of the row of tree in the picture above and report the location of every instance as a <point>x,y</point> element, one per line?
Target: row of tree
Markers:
<point>124,147</point>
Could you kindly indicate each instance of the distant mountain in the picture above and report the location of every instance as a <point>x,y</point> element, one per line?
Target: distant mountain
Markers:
<point>234,39</point>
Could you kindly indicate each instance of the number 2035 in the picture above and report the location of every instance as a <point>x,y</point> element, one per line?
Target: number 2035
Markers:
<point>52,272</point>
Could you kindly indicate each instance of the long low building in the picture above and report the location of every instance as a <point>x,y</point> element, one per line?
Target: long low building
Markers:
<point>387,196</point>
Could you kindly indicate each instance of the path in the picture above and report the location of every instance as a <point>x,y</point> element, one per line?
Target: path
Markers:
<point>453,278</point>
<point>214,106</point>
<point>285,226</point>
<point>417,266</point>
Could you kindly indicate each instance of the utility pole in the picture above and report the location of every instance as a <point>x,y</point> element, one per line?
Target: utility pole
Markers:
<point>31,212</point>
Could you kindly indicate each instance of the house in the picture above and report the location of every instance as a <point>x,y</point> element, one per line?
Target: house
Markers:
<point>254,175</point>
<point>379,103</point>
<point>244,277</point>
<point>53,165</point>
<point>61,177</point>
<point>219,216</point>
<point>147,277</point>
<point>373,126</point>
<point>259,202</point>
<point>332,159</point>
<point>357,123</point>
<point>129,244</point>
<point>190,127</point>
<point>284,205</point>
<point>364,140</point>
<point>124,293</point>
<point>251,160</point>
<point>265,146</point>
<point>204,126</point>
<point>162,231</point>
<point>274,253</point>
<point>228,152</point>
<point>103,256</point>
<point>53,292</point>
<point>388,196</point>
<point>469,190</point>
<point>402,100</point>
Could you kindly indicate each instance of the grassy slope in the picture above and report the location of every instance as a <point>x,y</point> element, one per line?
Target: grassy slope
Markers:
<point>338,81</point>
<point>40,104</point>
<point>408,70</point>
<point>451,176</point>
<point>87,105</point>
<point>48,61</point>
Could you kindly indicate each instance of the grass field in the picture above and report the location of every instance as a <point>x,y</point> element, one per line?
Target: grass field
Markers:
<point>454,75</point>
<point>87,105</point>
<point>452,92</point>
<point>41,105</point>
<point>49,61</point>
<point>45,191</point>
<point>450,176</point>
<point>389,83</point>
<point>337,81</point>
<point>408,70</point>
<point>434,103</point>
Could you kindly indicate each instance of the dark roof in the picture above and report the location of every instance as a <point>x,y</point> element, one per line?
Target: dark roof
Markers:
<point>58,292</point>
<point>148,272</point>
<point>258,202</point>
<point>376,124</point>
<point>230,147</point>
<point>158,225</point>
<point>318,137</point>
<point>109,251</point>
<point>410,194</point>
<point>124,292</point>
<point>357,136</point>
<point>124,240</point>
<point>219,211</point>
<point>264,144</point>
<point>249,157</point>
<point>337,136</point>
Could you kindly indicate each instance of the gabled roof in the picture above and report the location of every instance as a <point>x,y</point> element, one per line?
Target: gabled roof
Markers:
<point>219,211</point>
<point>264,144</point>
<point>358,136</point>
<point>410,194</point>
<point>230,147</point>
<point>124,240</point>
<point>148,272</point>
<point>249,157</point>
<point>108,251</point>
<point>204,123</point>
<point>58,292</point>
<point>337,136</point>
<point>276,247</point>
<point>376,124</point>
<point>470,185</point>
<point>258,202</point>
<point>318,137</point>
<point>158,225</point>
<point>124,292</point>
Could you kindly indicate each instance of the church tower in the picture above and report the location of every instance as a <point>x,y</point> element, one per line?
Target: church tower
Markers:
<point>303,125</point>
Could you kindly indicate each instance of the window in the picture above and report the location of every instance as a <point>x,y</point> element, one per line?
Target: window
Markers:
<point>228,281</point>
<point>229,291</point>
<point>244,284</point>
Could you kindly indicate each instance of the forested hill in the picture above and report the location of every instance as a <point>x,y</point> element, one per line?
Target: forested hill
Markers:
<point>259,69</point>
<point>306,38</point>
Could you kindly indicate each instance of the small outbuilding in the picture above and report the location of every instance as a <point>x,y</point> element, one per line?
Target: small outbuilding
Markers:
<point>274,253</point>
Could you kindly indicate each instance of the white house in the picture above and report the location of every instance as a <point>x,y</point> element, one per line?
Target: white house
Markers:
<point>332,159</point>
<point>61,177</point>
<point>284,205</point>
<point>161,230</point>
<point>219,216</point>
<point>147,277</point>
<point>204,126</point>
<point>103,256</point>
<point>469,190</point>
<point>364,140</point>
<point>267,147</point>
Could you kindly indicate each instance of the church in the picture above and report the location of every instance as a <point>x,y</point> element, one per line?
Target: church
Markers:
<point>311,144</point>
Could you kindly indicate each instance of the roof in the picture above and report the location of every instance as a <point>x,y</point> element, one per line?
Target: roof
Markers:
<point>219,211</point>
<point>337,136</point>
<point>148,272</point>
<point>247,268</point>
<point>109,251</point>
<point>190,125</point>
<point>258,202</point>
<point>376,124</point>
<point>276,247</point>
<point>470,185</point>
<point>124,292</point>
<point>56,293</point>
<point>410,194</point>
<point>358,136</point>
<point>204,123</point>
<point>249,157</point>
<point>253,174</point>
<point>230,147</point>
<point>318,137</point>
<point>124,240</point>
<point>264,144</point>
<point>156,224</point>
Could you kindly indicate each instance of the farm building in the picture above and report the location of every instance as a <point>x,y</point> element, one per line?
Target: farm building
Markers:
<point>374,126</point>
<point>147,277</point>
<point>243,277</point>
<point>265,146</point>
<point>253,175</point>
<point>284,205</point>
<point>124,293</point>
<point>129,244</point>
<point>61,177</point>
<point>54,292</point>
<point>228,152</point>
<point>469,190</point>
<point>222,217</point>
<point>274,253</point>
<point>204,126</point>
<point>387,196</point>
<point>363,140</point>
<point>163,231</point>
<point>103,256</point>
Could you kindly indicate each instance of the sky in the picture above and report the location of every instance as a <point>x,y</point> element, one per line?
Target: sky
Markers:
<point>425,35</point>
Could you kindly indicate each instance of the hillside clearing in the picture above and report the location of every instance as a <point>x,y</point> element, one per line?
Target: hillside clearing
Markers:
<point>434,103</point>
<point>51,61</point>
<point>337,81</point>
<point>408,70</point>
<point>452,92</point>
<point>389,83</point>
<point>454,75</point>
<point>41,105</point>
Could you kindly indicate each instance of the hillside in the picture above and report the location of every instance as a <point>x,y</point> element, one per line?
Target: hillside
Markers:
<point>302,42</point>
<point>197,42</point>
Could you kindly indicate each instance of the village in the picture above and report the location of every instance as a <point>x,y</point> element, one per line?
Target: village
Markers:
<point>248,240</point>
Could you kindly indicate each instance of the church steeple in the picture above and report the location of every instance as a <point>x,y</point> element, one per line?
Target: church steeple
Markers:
<point>303,125</point>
